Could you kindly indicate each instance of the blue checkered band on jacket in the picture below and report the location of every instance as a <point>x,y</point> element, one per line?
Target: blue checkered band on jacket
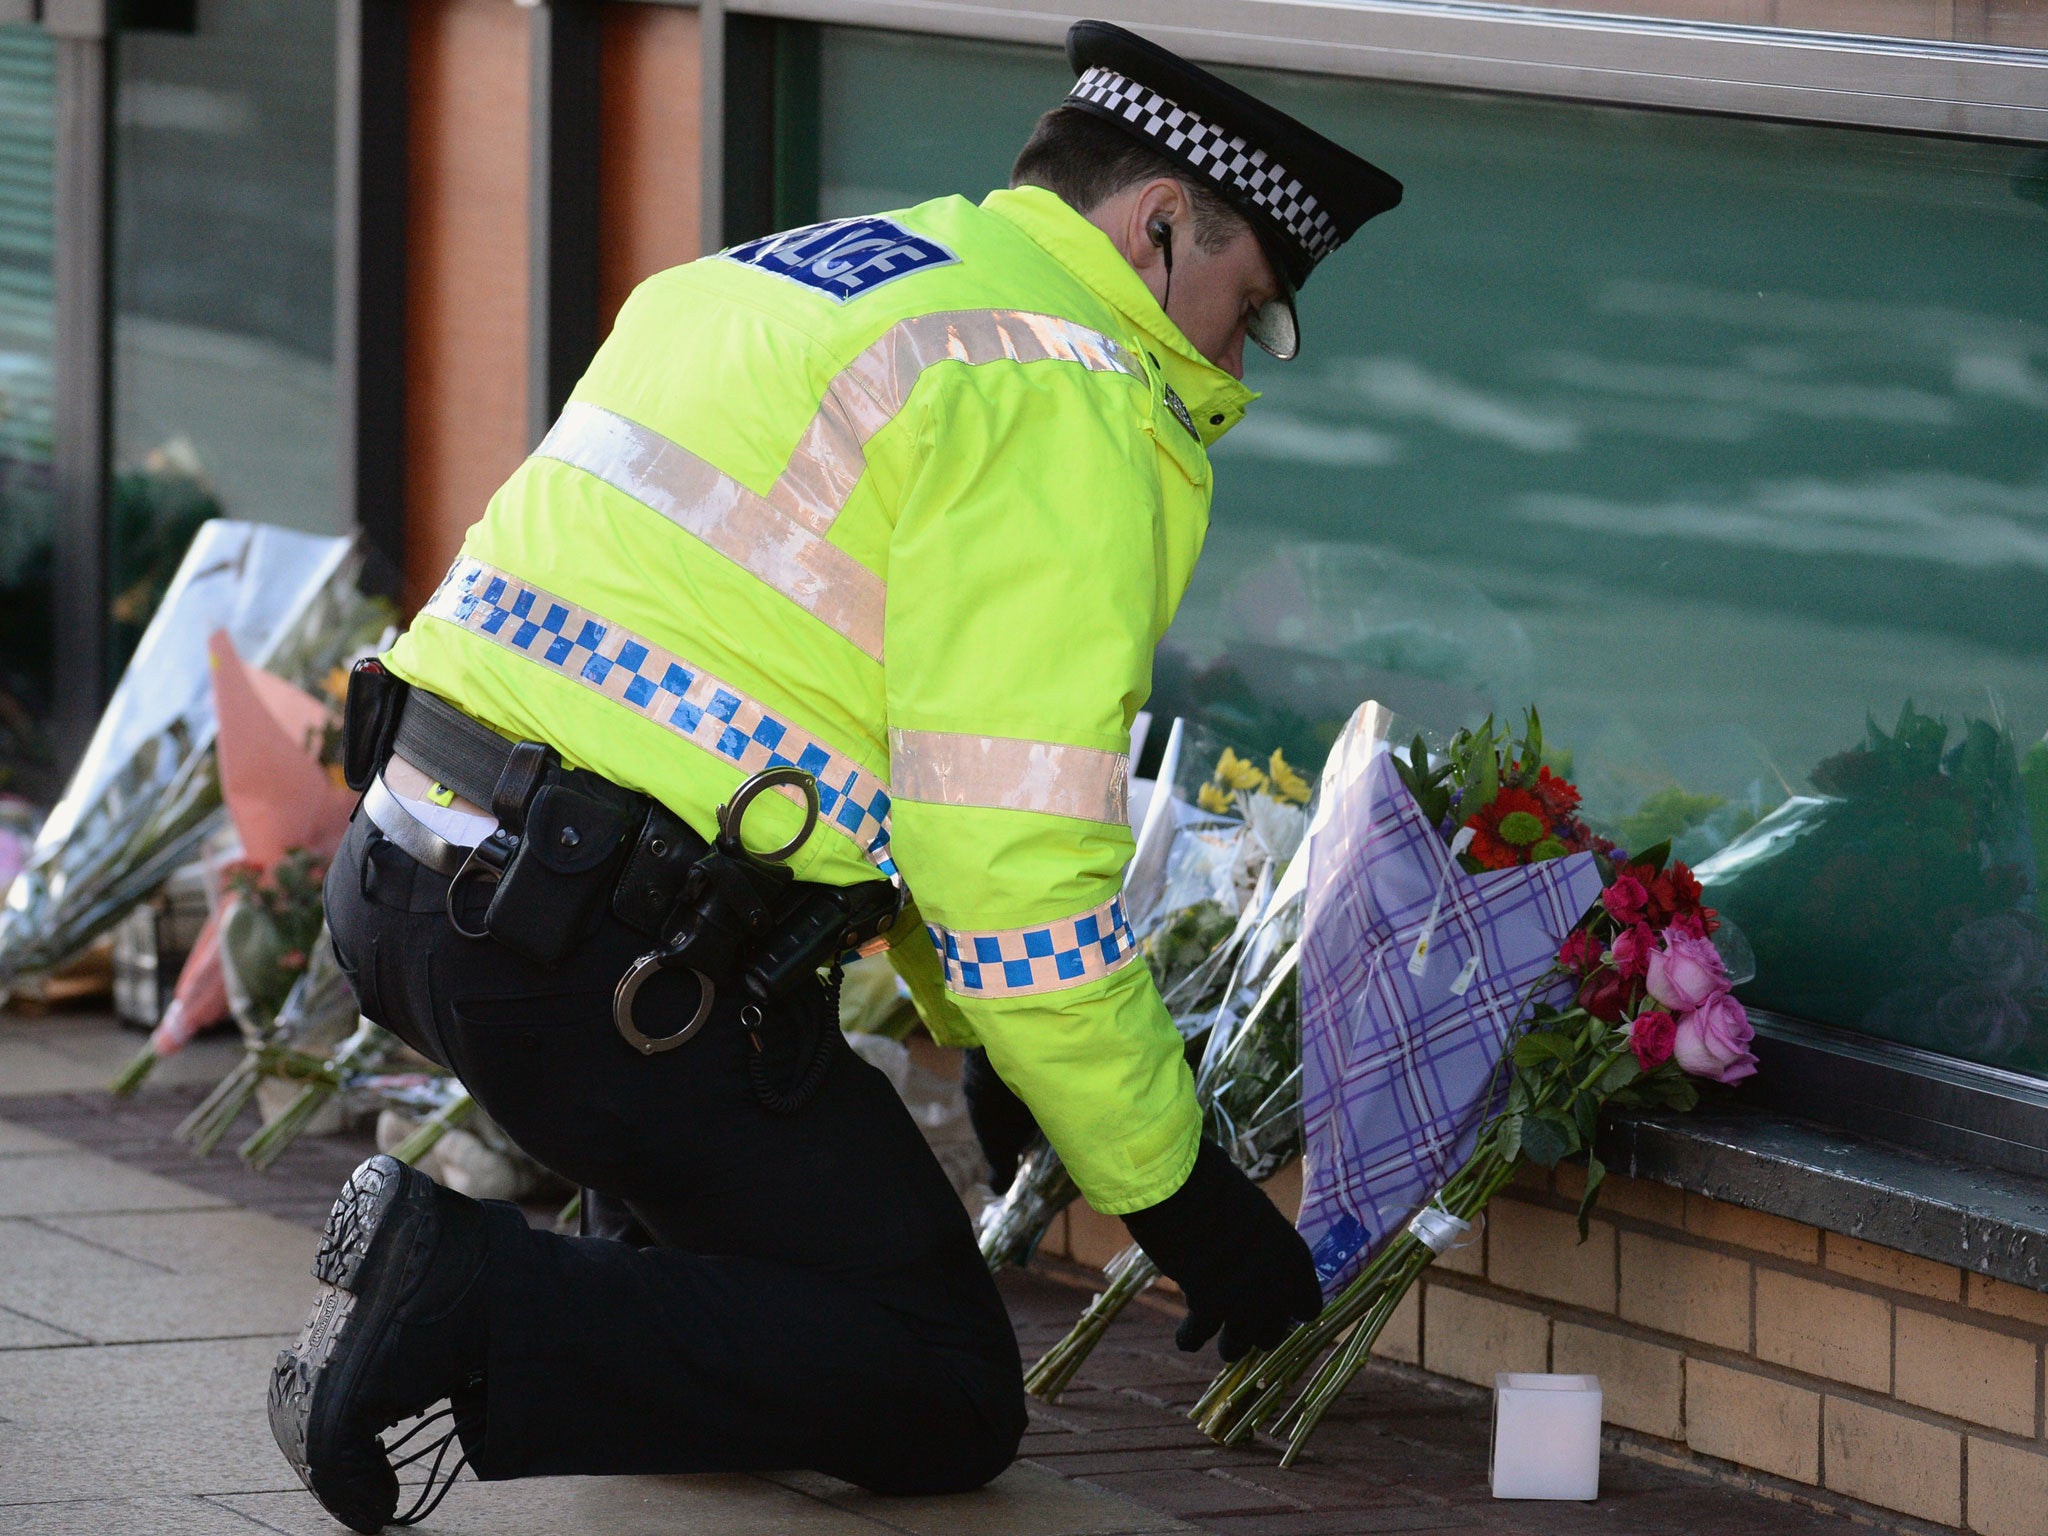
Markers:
<point>1217,154</point>
<point>660,686</point>
<point>1047,957</point>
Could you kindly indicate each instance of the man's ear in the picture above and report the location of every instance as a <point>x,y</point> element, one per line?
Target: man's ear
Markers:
<point>1165,199</point>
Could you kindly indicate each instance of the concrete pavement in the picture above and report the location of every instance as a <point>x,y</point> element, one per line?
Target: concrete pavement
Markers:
<point>139,1316</point>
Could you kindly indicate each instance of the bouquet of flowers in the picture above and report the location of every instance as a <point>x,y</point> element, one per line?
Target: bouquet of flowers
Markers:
<point>366,1054</point>
<point>1202,885</point>
<point>147,790</point>
<point>292,1048</point>
<point>1481,978</point>
<point>1249,1087</point>
<point>289,812</point>
<point>1903,900</point>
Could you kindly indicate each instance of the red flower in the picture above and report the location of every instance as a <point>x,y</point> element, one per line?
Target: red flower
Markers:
<point>1580,953</point>
<point>1560,797</point>
<point>1508,828</point>
<point>1627,898</point>
<point>1652,1037</point>
<point>1632,950</point>
<point>1608,995</point>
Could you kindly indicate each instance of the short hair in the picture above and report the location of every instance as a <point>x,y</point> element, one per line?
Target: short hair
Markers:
<point>1086,161</point>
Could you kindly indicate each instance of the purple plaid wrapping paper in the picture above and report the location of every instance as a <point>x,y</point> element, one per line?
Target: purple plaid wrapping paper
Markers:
<point>1398,1072</point>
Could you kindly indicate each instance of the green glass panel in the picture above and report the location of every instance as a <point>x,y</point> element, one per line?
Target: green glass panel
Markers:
<point>1717,439</point>
<point>224,145</point>
<point>28,100</point>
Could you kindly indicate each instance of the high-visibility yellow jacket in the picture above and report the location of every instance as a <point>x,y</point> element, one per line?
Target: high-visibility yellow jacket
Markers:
<point>906,500</point>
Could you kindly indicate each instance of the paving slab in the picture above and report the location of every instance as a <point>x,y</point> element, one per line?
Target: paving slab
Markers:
<point>588,1506</point>
<point>81,1052</point>
<point>127,1517</point>
<point>20,1141</point>
<point>67,1183</point>
<point>19,1331</point>
<point>1024,1501</point>
<point>118,1384</point>
<point>222,1451</point>
<point>61,1274</point>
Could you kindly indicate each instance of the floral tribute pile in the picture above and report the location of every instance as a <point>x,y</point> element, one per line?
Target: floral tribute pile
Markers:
<point>1632,1010</point>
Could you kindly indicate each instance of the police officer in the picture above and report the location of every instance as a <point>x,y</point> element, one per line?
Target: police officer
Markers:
<point>883,517</point>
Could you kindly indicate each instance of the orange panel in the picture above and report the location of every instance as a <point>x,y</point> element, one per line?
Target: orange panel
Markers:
<point>648,178</point>
<point>466,273</point>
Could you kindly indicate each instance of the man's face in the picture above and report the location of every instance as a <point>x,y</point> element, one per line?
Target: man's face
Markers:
<point>1214,296</point>
<point>1211,295</point>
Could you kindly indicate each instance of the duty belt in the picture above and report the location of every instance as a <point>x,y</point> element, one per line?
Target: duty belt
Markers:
<point>570,844</point>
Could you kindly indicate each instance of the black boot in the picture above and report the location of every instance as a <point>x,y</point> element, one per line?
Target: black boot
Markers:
<point>398,1326</point>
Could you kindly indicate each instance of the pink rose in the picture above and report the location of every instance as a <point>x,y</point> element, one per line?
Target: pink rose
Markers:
<point>1652,1038</point>
<point>1632,950</point>
<point>1685,972</point>
<point>1626,899</point>
<point>1713,1041</point>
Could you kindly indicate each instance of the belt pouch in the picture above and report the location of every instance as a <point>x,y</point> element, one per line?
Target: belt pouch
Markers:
<point>555,887</point>
<point>369,721</point>
<point>655,870</point>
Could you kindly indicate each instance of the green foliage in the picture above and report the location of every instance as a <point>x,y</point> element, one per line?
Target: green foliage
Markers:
<point>1667,814</point>
<point>1183,943</point>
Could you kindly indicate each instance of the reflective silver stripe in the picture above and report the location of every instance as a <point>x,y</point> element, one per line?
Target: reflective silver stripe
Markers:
<point>1044,957</point>
<point>869,392</point>
<point>1007,774</point>
<point>780,537</point>
<point>749,530</point>
<point>658,685</point>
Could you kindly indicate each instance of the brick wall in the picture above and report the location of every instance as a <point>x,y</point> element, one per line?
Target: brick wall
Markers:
<point>1801,1354</point>
<point>1808,1355</point>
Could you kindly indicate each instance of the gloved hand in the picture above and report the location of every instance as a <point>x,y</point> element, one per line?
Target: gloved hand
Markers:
<point>1002,1123</point>
<point>1243,1269</point>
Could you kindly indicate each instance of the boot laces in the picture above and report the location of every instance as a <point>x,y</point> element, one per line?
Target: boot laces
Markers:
<point>430,1496</point>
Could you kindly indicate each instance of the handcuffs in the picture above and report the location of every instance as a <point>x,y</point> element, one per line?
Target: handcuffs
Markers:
<point>731,925</point>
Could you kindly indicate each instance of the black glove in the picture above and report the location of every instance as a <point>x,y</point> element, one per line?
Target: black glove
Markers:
<point>1002,1123</point>
<point>1242,1268</point>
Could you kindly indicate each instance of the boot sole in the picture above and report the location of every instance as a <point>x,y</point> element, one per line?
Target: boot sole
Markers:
<point>349,1261</point>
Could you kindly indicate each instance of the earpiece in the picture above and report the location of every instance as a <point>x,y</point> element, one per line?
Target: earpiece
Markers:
<point>1160,231</point>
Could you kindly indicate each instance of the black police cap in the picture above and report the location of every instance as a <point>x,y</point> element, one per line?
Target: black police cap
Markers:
<point>1304,194</point>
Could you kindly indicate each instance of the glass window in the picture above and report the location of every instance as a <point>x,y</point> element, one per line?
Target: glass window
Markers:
<point>223,285</point>
<point>27,151</point>
<point>1725,442</point>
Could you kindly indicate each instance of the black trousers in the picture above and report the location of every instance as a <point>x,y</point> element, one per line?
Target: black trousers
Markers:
<point>816,1299</point>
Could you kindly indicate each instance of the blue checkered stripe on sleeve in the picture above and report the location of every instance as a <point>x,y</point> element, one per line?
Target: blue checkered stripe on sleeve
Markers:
<point>1048,957</point>
<point>660,686</point>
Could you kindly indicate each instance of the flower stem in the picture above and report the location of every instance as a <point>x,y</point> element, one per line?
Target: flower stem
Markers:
<point>1129,1273</point>
<point>1255,1393</point>
<point>428,1133</point>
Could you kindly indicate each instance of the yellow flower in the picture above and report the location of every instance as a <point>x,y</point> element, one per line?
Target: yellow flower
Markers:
<point>1234,772</point>
<point>1287,784</point>
<point>1216,802</point>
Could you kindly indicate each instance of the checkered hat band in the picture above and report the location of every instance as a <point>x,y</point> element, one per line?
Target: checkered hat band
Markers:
<point>658,685</point>
<point>1046,957</point>
<point>1219,155</point>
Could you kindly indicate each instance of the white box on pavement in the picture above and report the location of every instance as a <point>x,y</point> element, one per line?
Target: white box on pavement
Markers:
<point>1546,1436</point>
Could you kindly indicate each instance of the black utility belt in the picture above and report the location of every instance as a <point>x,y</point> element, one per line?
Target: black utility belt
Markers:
<point>572,847</point>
